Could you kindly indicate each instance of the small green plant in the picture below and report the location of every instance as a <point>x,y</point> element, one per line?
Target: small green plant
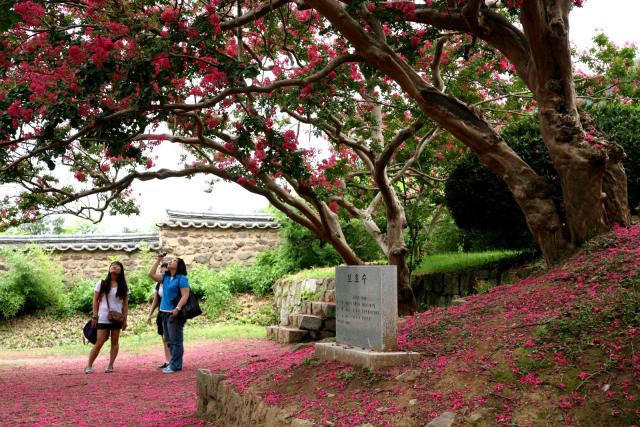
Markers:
<point>309,295</point>
<point>370,377</point>
<point>347,375</point>
<point>507,376</point>
<point>483,286</point>
<point>114,258</point>
<point>138,328</point>
<point>312,361</point>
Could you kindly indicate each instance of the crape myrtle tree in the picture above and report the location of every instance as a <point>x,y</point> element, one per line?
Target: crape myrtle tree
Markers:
<point>82,90</point>
<point>89,86</point>
<point>607,88</point>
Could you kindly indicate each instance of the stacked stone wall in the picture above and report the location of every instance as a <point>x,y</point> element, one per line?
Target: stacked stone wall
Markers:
<point>290,296</point>
<point>439,289</point>
<point>217,247</point>
<point>430,289</point>
<point>94,265</point>
<point>218,401</point>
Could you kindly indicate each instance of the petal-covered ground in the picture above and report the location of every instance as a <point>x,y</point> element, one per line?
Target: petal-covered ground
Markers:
<point>560,348</point>
<point>54,390</point>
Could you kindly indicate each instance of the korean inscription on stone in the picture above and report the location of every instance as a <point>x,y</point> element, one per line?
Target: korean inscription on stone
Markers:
<point>367,307</point>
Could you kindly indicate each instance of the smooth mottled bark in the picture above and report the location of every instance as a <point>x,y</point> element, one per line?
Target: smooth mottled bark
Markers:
<point>587,161</point>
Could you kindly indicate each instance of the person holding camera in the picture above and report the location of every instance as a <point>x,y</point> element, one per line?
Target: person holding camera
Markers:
<point>157,299</point>
<point>110,309</point>
<point>174,284</point>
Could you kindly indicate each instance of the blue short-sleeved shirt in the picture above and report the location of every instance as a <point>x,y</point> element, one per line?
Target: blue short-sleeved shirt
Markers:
<point>171,289</point>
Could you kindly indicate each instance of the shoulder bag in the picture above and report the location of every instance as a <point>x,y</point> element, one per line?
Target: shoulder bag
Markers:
<point>191,309</point>
<point>114,316</point>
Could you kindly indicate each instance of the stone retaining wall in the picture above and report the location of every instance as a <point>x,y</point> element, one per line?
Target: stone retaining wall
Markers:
<point>289,296</point>
<point>430,289</point>
<point>220,402</point>
<point>439,289</point>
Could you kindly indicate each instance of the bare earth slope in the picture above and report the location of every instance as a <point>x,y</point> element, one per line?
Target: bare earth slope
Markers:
<point>560,348</point>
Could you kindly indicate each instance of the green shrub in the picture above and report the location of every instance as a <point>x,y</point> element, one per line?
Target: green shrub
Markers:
<point>482,203</point>
<point>140,285</point>
<point>301,249</point>
<point>217,288</point>
<point>204,284</point>
<point>32,282</point>
<point>199,279</point>
<point>80,295</point>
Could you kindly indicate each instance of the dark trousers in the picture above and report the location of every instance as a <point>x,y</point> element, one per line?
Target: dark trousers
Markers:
<point>173,335</point>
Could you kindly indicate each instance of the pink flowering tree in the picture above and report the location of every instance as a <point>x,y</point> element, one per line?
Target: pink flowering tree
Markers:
<point>91,88</point>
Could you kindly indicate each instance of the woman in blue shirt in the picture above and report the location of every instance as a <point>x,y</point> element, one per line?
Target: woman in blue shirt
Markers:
<point>174,283</point>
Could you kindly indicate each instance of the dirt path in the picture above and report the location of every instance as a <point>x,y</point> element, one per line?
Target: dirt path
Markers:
<point>53,390</point>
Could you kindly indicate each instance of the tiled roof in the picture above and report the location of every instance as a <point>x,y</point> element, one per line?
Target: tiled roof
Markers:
<point>213,220</point>
<point>89,242</point>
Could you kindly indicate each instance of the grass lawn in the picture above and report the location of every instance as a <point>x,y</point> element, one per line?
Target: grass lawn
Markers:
<point>455,261</point>
<point>313,273</point>
<point>452,261</point>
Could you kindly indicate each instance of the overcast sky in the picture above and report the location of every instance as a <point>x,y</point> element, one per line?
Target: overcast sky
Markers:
<point>618,20</point>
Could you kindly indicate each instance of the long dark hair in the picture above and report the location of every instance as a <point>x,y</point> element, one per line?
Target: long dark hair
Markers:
<point>164,265</point>
<point>123,288</point>
<point>182,267</point>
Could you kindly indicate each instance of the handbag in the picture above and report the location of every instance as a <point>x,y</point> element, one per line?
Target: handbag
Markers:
<point>89,333</point>
<point>114,316</point>
<point>191,309</point>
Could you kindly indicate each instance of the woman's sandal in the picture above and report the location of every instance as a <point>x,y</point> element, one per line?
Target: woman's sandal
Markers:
<point>109,370</point>
<point>88,370</point>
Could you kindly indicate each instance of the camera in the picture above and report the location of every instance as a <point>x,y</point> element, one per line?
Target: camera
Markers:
<point>163,254</point>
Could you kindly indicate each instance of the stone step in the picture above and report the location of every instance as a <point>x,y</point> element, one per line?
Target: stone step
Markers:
<point>320,308</point>
<point>328,296</point>
<point>320,335</point>
<point>329,325</point>
<point>305,321</point>
<point>286,335</point>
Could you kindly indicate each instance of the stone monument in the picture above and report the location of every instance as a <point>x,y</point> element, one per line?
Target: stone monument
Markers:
<point>366,319</point>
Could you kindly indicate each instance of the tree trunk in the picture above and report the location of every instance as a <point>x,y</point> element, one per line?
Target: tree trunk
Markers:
<point>397,248</point>
<point>332,233</point>
<point>587,162</point>
<point>614,180</point>
<point>396,221</point>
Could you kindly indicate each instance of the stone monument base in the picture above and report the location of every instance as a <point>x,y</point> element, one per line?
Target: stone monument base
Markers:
<point>358,356</point>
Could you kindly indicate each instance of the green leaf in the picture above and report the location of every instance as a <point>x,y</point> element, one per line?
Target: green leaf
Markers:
<point>8,16</point>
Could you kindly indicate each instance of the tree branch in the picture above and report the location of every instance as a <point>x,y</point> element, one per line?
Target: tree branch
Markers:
<point>435,63</point>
